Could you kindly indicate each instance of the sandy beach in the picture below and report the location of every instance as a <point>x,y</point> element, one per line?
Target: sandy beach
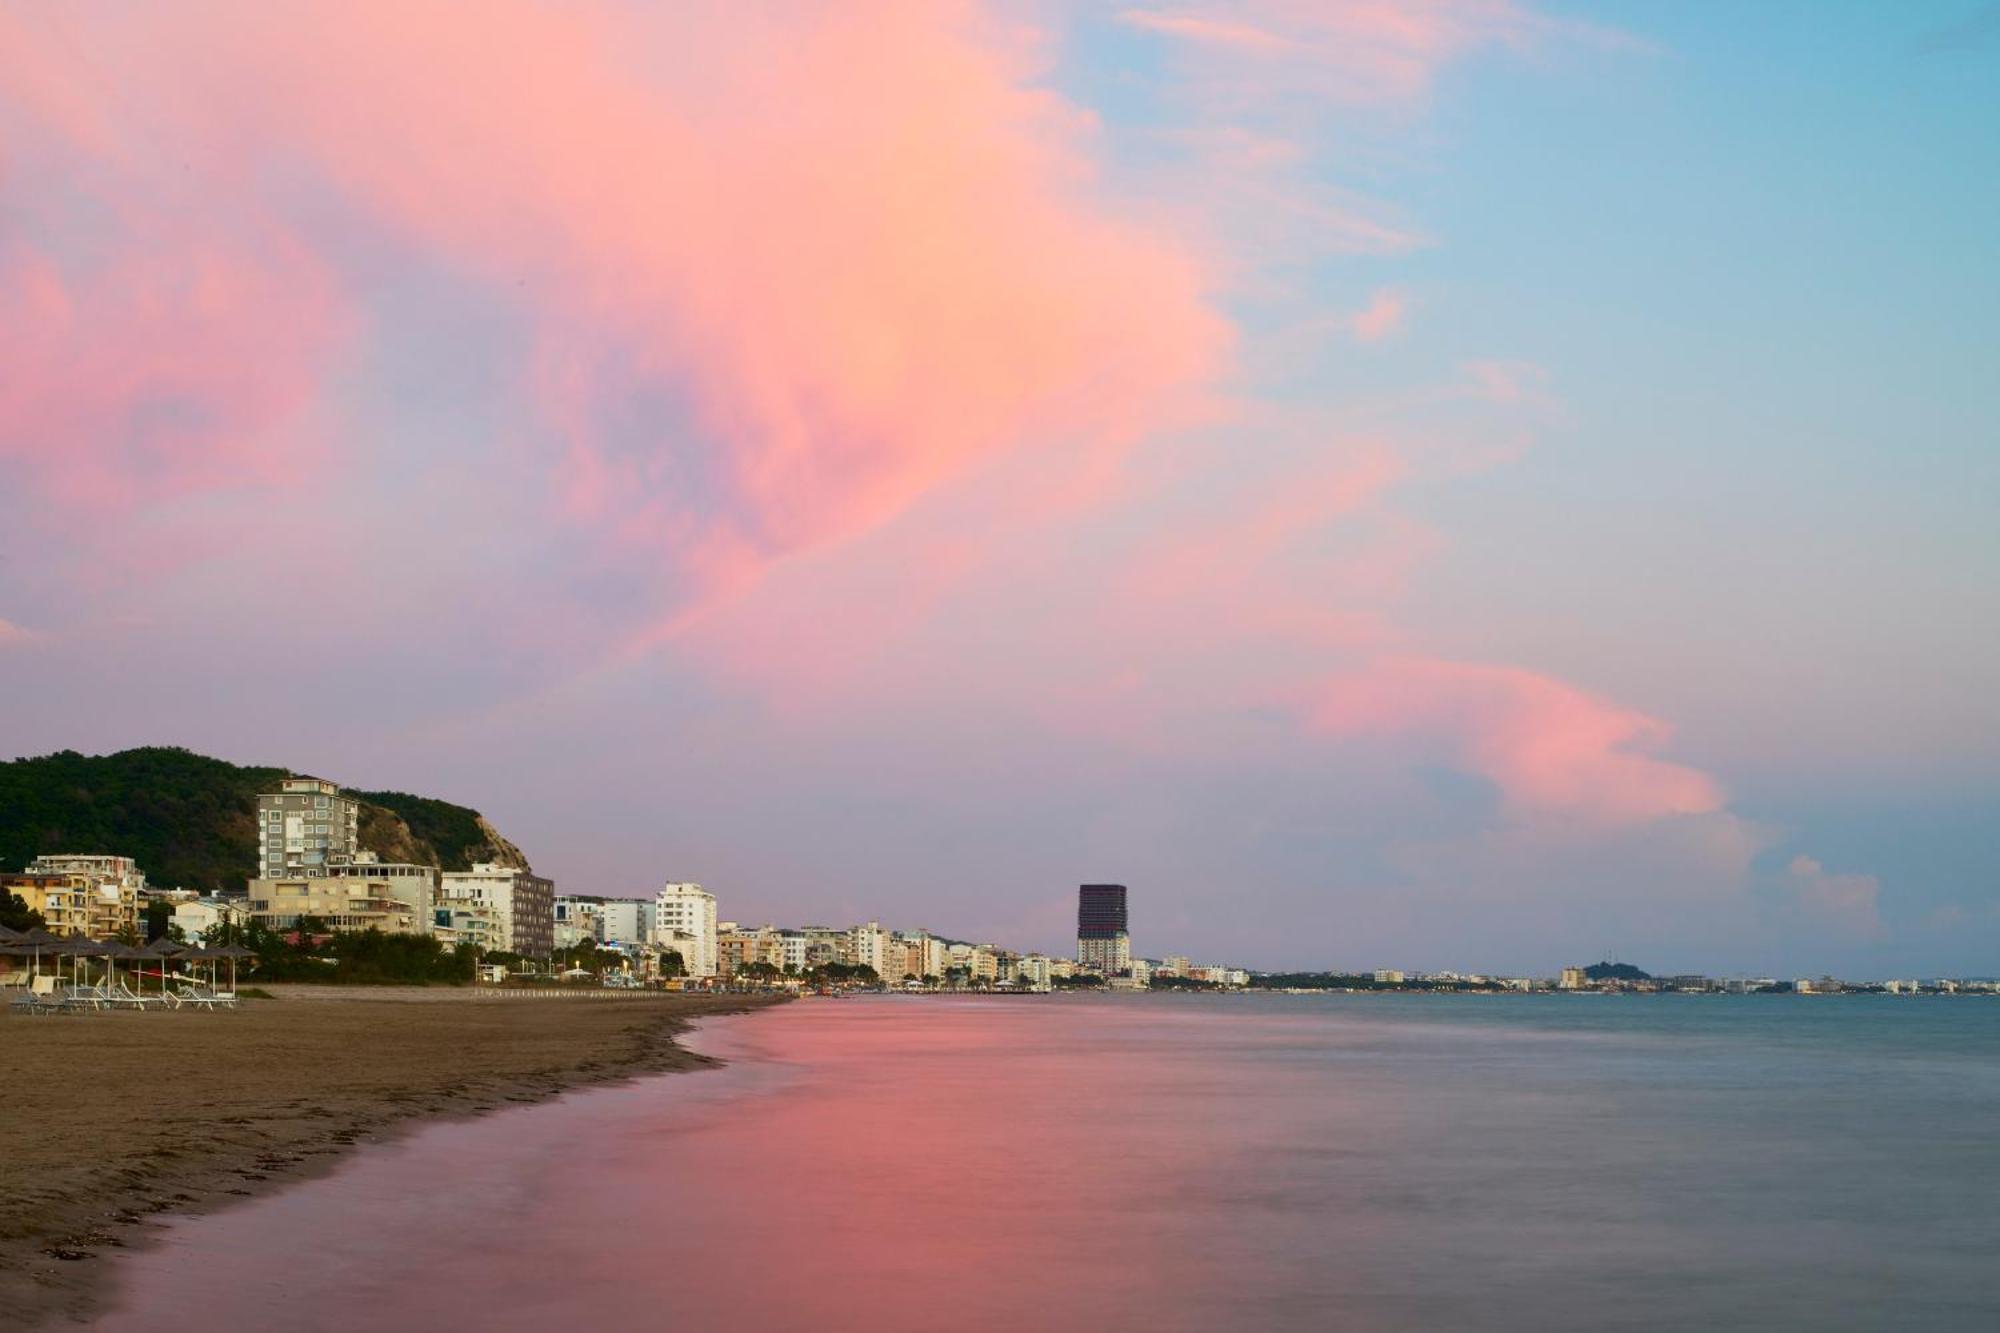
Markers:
<point>112,1119</point>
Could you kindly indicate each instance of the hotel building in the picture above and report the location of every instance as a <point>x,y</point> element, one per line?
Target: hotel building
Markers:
<point>342,902</point>
<point>625,921</point>
<point>1103,944</point>
<point>521,905</point>
<point>93,894</point>
<point>306,828</point>
<point>684,920</point>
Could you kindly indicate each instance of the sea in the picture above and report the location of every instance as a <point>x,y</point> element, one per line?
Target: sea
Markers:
<point>1170,1162</point>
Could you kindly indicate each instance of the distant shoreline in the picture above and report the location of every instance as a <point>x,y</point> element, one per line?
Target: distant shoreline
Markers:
<point>113,1119</point>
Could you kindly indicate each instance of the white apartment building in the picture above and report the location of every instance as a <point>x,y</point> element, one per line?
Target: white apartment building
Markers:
<point>521,905</point>
<point>686,914</point>
<point>413,885</point>
<point>825,944</point>
<point>870,946</point>
<point>1106,957</point>
<point>577,919</point>
<point>198,916</point>
<point>625,921</point>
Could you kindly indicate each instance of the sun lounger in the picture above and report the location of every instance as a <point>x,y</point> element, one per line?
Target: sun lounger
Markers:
<point>202,997</point>
<point>123,996</point>
<point>77,999</point>
<point>40,998</point>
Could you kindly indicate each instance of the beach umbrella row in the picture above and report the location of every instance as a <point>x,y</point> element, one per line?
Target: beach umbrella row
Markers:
<point>38,942</point>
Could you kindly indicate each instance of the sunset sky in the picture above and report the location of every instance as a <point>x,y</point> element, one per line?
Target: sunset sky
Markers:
<point>1436,484</point>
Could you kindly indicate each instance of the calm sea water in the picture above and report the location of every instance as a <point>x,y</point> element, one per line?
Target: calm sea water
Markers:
<point>1351,1163</point>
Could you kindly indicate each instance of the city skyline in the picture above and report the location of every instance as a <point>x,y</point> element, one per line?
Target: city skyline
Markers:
<point>1489,482</point>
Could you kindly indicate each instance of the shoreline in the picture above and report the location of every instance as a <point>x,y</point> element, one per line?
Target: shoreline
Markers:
<point>113,1120</point>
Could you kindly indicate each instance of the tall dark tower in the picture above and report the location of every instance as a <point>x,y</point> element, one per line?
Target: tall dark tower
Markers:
<point>1103,943</point>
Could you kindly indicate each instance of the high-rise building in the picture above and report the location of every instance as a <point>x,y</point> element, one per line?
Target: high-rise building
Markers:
<point>684,919</point>
<point>306,828</point>
<point>522,906</point>
<point>1103,944</point>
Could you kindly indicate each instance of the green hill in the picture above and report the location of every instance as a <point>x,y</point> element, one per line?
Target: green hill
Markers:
<point>191,821</point>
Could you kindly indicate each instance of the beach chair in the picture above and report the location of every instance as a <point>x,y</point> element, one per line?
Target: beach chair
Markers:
<point>123,996</point>
<point>197,996</point>
<point>38,998</point>
<point>80,999</point>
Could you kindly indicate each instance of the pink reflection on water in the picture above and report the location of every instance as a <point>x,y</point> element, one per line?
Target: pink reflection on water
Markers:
<point>889,1164</point>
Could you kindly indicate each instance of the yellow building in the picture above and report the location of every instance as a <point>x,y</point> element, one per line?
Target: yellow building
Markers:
<point>60,902</point>
<point>87,894</point>
<point>343,902</point>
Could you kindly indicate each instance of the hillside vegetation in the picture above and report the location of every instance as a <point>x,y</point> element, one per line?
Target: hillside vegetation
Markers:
<point>191,821</point>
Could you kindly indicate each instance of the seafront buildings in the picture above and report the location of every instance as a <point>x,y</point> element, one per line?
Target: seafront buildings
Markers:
<point>313,868</point>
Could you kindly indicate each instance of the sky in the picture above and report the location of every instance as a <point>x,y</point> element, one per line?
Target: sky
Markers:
<point>1444,484</point>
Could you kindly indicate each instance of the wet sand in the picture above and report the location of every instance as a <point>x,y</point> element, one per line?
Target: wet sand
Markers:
<point>110,1119</point>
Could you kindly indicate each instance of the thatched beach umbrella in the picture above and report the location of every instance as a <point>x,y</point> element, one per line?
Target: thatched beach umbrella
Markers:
<point>116,952</point>
<point>40,942</point>
<point>232,952</point>
<point>200,954</point>
<point>161,950</point>
<point>74,948</point>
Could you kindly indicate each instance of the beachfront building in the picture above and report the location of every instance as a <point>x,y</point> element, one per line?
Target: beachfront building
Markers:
<point>198,917</point>
<point>61,902</point>
<point>824,944</point>
<point>1573,978</point>
<point>460,922</point>
<point>341,902</point>
<point>305,828</point>
<point>521,905</point>
<point>625,921</point>
<point>738,947</point>
<point>870,946</point>
<point>687,912</point>
<point>415,886</point>
<point>577,918</point>
<point>1103,943</point>
<point>99,894</point>
<point>929,956</point>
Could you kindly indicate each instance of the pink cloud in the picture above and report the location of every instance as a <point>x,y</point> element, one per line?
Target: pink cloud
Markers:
<point>162,372</point>
<point>1382,316</point>
<point>859,250</point>
<point>1846,903</point>
<point>1549,746</point>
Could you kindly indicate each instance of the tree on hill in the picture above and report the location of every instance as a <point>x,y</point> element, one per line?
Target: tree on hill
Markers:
<point>191,821</point>
<point>15,914</point>
<point>1615,972</point>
